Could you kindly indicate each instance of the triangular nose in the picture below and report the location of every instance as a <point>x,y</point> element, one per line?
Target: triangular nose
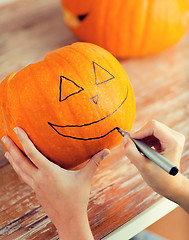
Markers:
<point>95,99</point>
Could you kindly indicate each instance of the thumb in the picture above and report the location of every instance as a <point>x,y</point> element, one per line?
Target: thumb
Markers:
<point>94,162</point>
<point>132,153</point>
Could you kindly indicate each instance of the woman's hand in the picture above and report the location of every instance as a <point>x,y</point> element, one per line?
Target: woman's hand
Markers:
<point>63,194</point>
<point>170,144</point>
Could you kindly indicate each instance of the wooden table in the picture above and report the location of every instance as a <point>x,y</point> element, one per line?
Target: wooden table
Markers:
<point>119,197</point>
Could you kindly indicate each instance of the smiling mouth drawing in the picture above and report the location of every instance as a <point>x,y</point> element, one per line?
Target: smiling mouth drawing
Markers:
<point>60,129</point>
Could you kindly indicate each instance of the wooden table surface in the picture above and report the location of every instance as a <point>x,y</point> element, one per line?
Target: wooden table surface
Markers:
<point>30,29</point>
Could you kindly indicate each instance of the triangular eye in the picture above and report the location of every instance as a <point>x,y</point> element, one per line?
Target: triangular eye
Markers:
<point>68,88</point>
<point>101,74</point>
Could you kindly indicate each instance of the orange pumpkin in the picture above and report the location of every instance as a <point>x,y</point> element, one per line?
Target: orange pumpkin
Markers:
<point>69,104</point>
<point>128,28</point>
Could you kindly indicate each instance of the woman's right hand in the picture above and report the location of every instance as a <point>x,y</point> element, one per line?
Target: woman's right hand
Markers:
<point>170,144</point>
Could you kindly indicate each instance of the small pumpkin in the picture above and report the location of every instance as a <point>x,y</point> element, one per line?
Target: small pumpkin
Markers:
<point>69,104</point>
<point>128,28</point>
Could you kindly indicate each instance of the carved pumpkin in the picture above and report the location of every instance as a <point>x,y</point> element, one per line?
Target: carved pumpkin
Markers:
<point>128,28</point>
<point>69,104</point>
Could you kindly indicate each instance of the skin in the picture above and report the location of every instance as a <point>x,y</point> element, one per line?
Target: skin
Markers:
<point>170,144</point>
<point>59,191</point>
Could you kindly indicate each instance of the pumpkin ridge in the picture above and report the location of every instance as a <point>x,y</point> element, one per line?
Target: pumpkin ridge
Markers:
<point>46,62</point>
<point>86,124</point>
<point>164,34</point>
<point>34,103</point>
<point>109,63</point>
<point>66,60</point>
<point>143,19</point>
<point>38,86</point>
<point>71,107</point>
<point>105,59</point>
<point>89,60</point>
<point>127,29</point>
<point>8,91</point>
<point>3,94</point>
<point>23,111</point>
<point>61,58</point>
<point>99,54</point>
<point>145,28</point>
<point>100,36</point>
<point>86,57</point>
<point>131,28</point>
<point>117,38</point>
<point>94,62</point>
<point>105,55</point>
<point>73,49</point>
<point>105,19</point>
<point>132,40</point>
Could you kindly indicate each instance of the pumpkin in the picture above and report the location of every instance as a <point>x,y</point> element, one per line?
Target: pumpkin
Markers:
<point>128,28</point>
<point>70,104</point>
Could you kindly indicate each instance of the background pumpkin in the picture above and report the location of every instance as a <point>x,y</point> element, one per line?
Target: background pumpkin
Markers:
<point>128,28</point>
<point>69,103</point>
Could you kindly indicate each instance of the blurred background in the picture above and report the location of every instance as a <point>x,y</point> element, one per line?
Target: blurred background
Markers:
<point>31,29</point>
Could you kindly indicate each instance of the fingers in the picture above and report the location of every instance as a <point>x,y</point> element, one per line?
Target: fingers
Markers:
<point>152,128</point>
<point>133,154</point>
<point>167,137</point>
<point>91,167</point>
<point>30,150</point>
<point>23,167</point>
<point>19,159</point>
<point>20,169</point>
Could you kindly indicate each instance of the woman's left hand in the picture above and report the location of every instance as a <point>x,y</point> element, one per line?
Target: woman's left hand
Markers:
<point>64,194</point>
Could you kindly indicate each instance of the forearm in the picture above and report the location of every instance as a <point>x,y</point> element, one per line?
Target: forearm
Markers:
<point>180,192</point>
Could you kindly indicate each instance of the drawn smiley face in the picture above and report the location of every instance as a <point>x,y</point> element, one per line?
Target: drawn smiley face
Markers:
<point>99,102</point>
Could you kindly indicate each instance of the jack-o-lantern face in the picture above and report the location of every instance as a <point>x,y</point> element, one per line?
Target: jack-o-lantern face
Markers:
<point>128,28</point>
<point>69,104</point>
<point>98,99</point>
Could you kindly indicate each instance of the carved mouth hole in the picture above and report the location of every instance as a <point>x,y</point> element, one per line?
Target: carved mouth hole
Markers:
<point>82,17</point>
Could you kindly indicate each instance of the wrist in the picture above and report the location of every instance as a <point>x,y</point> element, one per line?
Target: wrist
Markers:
<point>179,192</point>
<point>75,226</point>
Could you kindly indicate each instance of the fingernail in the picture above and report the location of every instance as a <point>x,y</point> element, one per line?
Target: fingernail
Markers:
<point>7,155</point>
<point>15,130</point>
<point>3,139</point>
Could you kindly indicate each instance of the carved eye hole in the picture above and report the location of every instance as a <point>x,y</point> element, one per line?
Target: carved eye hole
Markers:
<point>71,88</point>
<point>82,17</point>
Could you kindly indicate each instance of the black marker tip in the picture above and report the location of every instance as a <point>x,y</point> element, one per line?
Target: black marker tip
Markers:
<point>121,131</point>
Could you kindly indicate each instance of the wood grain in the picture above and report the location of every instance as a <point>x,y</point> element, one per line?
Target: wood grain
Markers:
<point>30,29</point>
